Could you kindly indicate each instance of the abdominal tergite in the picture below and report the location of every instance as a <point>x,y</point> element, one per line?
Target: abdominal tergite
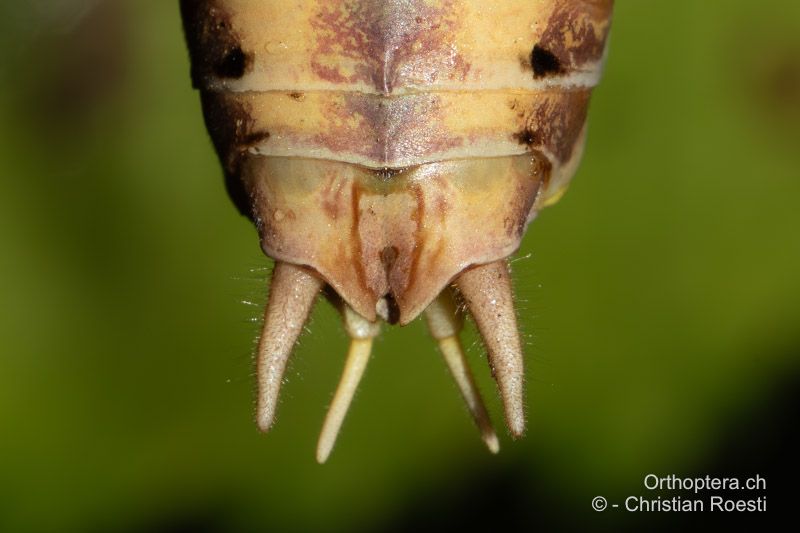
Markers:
<point>391,154</point>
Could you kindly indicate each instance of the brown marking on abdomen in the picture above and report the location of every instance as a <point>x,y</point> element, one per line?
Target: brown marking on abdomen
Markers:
<point>331,197</point>
<point>386,130</point>
<point>355,239</point>
<point>214,45</point>
<point>575,34</point>
<point>556,123</point>
<point>418,239</point>
<point>388,41</point>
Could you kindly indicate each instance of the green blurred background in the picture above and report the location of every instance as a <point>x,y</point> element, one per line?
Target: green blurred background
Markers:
<point>660,299</point>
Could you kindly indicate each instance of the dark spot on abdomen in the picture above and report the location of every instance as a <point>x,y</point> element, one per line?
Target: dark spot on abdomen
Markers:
<point>233,65</point>
<point>214,43</point>
<point>253,139</point>
<point>528,137</point>
<point>544,62</point>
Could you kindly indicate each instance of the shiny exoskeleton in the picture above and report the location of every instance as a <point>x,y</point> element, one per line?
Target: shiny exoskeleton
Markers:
<point>395,151</point>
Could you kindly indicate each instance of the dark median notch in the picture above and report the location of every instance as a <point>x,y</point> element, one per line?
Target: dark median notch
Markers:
<point>386,173</point>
